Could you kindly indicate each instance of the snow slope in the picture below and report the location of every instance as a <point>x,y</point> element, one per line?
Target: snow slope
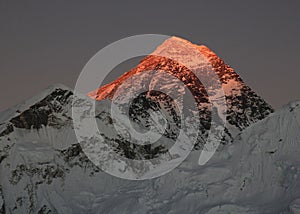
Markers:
<point>43,170</point>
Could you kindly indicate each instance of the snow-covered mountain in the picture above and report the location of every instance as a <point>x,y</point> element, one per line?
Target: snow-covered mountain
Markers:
<point>244,106</point>
<point>44,170</point>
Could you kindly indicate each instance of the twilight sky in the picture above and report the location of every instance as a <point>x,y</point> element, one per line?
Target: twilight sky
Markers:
<point>47,42</point>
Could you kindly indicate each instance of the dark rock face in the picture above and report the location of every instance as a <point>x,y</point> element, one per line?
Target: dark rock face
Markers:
<point>41,114</point>
<point>152,100</point>
<point>74,156</point>
<point>32,118</point>
<point>253,108</point>
<point>244,107</point>
<point>4,152</point>
<point>2,206</point>
<point>9,129</point>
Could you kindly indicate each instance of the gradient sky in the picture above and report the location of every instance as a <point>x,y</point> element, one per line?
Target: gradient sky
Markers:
<point>47,42</point>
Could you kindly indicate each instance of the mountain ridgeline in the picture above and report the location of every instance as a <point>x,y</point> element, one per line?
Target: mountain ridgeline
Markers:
<point>43,168</point>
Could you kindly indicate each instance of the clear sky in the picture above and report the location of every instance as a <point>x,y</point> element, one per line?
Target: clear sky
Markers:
<point>47,42</point>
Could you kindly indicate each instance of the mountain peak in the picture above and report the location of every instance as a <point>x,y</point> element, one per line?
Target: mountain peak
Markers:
<point>174,39</point>
<point>177,48</point>
<point>179,44</point>
<point>26,104</point>
<point>47,108</point>
<point>179,41</point>
<point>168,57</point>
<point>244,105</point>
